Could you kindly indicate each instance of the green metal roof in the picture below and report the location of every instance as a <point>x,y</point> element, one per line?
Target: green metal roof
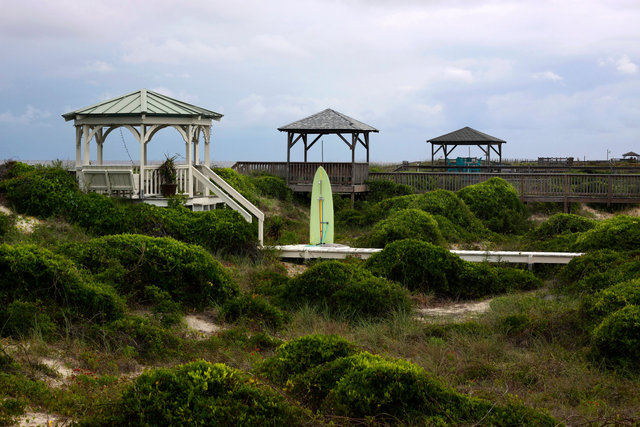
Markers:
<point>143,102</point>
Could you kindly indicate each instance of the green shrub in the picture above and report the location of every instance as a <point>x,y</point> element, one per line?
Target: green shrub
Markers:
<point>201,393</point>
<point>617,338</point>
<point>496,203</point>
<point>380,190</point>
<point>599,270</point>
<point>149,340</point>
<point>344,290</point>
<point>590,263</point>
<point>301,354</point>
<point>30,274</point>
<point>13,169</point>
<point>350,218</point>
<point>22,319</point>
<point>450,206</point>
<point>6,224</point>
<point>41,192</point>
<point>405,224</point>
<point>242,183</point>
<point>513,278</point>
<point>10,410</point>
<point>386,207</point>
<point>131,262</point>
<point>164,308</point>
<point>611,299</point>
<point>254,308</point>
<point>561,223</point>
<point>419,266</point>
<point>272,186</point>
<point>619,233</point>
<point>98,214</point>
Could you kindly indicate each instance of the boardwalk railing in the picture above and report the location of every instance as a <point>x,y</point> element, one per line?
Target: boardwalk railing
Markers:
<point>530,186</point>
<point>302,173</point>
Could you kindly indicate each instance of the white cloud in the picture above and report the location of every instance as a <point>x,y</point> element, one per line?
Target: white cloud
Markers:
<point>624,65</point>
<point>547,75</point>
<point>278,44</point>
<point>31,115</point>
<point>98,67</point>
<point>174,51</point>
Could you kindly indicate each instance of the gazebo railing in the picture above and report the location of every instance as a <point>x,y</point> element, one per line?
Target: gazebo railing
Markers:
<point>302,172</point>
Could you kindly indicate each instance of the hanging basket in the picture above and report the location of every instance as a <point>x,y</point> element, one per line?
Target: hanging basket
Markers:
<point>168,190</point>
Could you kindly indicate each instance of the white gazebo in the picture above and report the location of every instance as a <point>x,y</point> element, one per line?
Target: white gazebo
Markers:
<point>144,113</point>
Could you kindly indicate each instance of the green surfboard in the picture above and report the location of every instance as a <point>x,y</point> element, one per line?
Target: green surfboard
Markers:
<point>321,216</point>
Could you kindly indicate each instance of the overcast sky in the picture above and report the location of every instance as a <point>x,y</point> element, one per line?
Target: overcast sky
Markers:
<point>552,78</point>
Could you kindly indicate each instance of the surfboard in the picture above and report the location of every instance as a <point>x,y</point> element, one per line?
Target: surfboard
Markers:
<point>321,215</point>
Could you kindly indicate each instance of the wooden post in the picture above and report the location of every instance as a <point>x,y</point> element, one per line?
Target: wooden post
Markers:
<point>304,140</point>
<point>609,189</point>
<point>85,137</point>
<point>78,146</point>
<point>207,145</point>
<point>366,139</point>
<point>289,139</point>
<point>566,194</point>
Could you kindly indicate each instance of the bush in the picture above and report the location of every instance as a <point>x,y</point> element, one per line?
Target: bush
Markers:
<point>6,224</point>
<point>380,190</point>
<point>386,207</point>
<point>22,319</point>
<point>450,206</point>
<point>242,183</point>
<point>590,263</point>
<point>350,218</point>
<point>299,355</point>
<point>496,203</point>
<point>598,270</point>
<point>405,224</point>
<point>149,340</point>
<point>617,338</point>
<point>561,223</point>
<point>201,393</point>
<point>272,186</point>
<point>619,233</point>
<point>31,274</point>
<point>254,308</point>
<point>419,266</point>
<point>611,299</point>
<point>344,290</point>
<point>131,262</point>
<point>44,192</point>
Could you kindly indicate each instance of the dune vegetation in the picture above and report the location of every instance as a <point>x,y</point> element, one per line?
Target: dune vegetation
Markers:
<point>119,313</point>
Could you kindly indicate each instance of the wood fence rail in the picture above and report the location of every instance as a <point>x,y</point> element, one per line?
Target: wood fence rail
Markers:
<point>303,172</point>
<point>531,187</point>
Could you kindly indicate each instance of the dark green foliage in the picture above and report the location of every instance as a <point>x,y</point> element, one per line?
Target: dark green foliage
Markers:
<point>598,270</point>
<point>611,299</point>
<point>131,262</point>
<point>590,263</point>
<point>22,319</point>
<point>149,340</point>
<point>561,223</point>
<point>269,282</point>
<point>419,266</point>
<point>272,186</point>
<point>98,214</point>
<point>386,207</point>
<point>495,202</point>
<point>201,393</point>
<point>6,224</point>
<point>41,192</point>
<point>450,206</point>
<point>383,390</point>
<point>301,354</point>
<point>164,308</point>
<point>13,169</point>
<point>30,274</point>
<point>10,410</point>
<point>350,218</point>
<point>617,338</point>
<point>619,233</point>
<point>345,290</point>
<point>255,309</point>
<point>424,267</point>
<point>380,190</point>
<point>242,183</point>
<point>405,224</point>
<point>450,330</point>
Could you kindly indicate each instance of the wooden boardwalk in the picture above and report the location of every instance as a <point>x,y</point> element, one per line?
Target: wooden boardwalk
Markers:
<point>531,187</point>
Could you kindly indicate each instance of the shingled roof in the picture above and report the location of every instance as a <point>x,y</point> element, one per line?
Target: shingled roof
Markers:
<point>466,135</point>
<point>328,120</point>
<point>143,102</point>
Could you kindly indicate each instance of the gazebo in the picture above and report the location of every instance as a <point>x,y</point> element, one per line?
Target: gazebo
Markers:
<point>466,136</point>
<point>144,113</point>
<point>630,156</point>
<point>345,177</point>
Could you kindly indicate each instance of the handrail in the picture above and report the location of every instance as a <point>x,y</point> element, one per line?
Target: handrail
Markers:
<point>204,175</point>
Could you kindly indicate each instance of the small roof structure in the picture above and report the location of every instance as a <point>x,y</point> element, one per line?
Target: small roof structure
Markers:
<point>143,113</point>
<point>466,136</point>
<point>327,122</point>
<point>631,154</point>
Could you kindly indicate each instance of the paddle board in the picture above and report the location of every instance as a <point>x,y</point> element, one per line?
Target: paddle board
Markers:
<point>321,216</point>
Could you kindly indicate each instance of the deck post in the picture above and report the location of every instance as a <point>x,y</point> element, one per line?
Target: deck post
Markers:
<point>143,155</point>
<point>289,139</point>
<point>207,145</point>
<point>78,146</point>
<point>86,141</point>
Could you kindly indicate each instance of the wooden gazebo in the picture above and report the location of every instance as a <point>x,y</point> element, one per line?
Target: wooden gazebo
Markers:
<point>466,136</point>
<point>345,177</point>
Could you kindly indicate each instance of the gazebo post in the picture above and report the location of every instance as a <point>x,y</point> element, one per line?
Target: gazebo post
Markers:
<point>366,139</point>
<point>100,142</point>
<point>304,140</point>
<point>189,161</point>
<point>85,137</point>
<point>143,155</point>
<point>78,147</point>
<point>289,139</point>
<point>207,144</point>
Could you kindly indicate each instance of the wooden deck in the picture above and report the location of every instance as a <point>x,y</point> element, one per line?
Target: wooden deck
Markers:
<point>531,187</point>
<point>345,177</point>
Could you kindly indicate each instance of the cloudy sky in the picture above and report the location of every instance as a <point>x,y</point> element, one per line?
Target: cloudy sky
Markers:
<point>552,78</point>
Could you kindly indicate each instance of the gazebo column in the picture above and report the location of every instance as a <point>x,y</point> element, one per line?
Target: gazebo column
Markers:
<point>306,148</point>
<point>366,140</point>
<point>143,158</point>
<point>289,140</point>
<point>100,142</point>
<point>189,161</point>
<point>78,147</point>
<point>196,146</point>
<point>86,140</point>
<point>207,144</point>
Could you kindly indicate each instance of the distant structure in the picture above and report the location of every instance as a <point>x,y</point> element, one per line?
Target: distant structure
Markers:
<point>630,156</point>
<point>466,136</point>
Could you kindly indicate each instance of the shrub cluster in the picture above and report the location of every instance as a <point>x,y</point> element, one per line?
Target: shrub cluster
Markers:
<point>344,290</point>
<point>242,183</point>
<point>405,224</point>
<point>611,299</point>
<point>201,393</point>
<point>381,190</point>
<point>424,267</point>
<point>558,233</point>
<point>496,203</point>
<point>598,270</point>
<point>617,338</point>
<point>255,309</point>
<point>132,262</point>
<point>386,207</point>
<point>448,205</point>
<point>31,276</point>
<point>272,186</point>
<point>46,192</point>
<point>330,375</point>
<point>6,224</point>
<point>619,233</point>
